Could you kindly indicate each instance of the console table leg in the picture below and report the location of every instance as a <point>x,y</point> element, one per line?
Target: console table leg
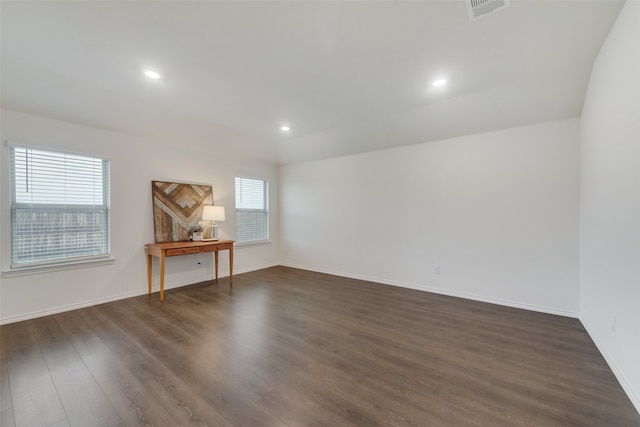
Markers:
<point>162,277</point>
<point>231,266</point>
<point>149,277</point>
<point>216,264</point>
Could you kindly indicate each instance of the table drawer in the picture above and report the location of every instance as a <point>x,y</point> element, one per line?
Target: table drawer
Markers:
<point>221,247</point>
<point>183,251</point>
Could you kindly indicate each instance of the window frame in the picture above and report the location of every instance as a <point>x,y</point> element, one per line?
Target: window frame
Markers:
<point>65,262</point>
<point>266,210</point>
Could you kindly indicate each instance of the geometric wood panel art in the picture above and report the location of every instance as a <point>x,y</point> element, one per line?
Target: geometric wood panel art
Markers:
<point>178,207</point>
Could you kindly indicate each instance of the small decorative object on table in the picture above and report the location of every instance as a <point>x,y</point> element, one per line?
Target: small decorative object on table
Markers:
<point>197,232</point>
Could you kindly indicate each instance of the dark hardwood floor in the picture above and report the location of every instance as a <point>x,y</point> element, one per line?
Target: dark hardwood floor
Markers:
<point>288,347</point>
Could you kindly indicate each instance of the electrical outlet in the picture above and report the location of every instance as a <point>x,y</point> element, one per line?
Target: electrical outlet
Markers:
<point>197,262</point>
<point>614,324</point>
<point>436,269</point>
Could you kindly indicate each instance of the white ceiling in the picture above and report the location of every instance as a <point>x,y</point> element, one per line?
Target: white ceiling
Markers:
<point>347,76</point>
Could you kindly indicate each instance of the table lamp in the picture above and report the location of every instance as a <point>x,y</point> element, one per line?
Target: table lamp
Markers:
<point>213,214</point>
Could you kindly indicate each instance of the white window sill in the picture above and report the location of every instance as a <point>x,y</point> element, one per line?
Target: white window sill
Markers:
<point>39,269</point>
<point>249,244</point>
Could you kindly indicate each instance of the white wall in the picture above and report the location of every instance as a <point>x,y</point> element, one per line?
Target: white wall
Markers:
<point>134,164</point>
<point>498,212</point>
<point>610,201</point>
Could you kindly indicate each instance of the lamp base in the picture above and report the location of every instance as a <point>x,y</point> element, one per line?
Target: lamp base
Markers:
<point>214,232</point>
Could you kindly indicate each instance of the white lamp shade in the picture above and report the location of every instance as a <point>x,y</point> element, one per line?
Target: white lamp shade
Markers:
<point>213,213</point>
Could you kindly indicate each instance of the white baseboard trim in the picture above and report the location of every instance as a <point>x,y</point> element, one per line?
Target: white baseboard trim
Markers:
<point>504,302</point>
<point>255,268</point>
<point>62,309</point>
<point>142,291</point>
<point>626,386</point>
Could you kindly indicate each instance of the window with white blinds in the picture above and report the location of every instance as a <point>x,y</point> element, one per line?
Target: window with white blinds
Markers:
<point>59,207</point>
<point>252,214</point>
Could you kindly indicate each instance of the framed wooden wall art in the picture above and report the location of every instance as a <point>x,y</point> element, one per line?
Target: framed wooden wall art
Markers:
<point>177,207</point>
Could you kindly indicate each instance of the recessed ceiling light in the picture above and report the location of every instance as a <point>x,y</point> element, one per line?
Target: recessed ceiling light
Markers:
<point>285,128</point>
<point>439,82</point>
<point>152,74</point>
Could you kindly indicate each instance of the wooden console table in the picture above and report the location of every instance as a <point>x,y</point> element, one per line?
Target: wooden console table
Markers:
<point>163,250</point>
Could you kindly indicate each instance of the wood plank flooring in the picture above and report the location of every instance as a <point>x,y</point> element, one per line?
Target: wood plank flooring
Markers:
<point>288,347</point>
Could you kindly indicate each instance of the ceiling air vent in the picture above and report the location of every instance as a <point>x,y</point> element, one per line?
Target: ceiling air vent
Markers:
<point>480,8</point>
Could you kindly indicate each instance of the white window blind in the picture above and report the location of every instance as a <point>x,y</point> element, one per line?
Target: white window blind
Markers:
<point>252,216</point>
<point>59,207</point>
